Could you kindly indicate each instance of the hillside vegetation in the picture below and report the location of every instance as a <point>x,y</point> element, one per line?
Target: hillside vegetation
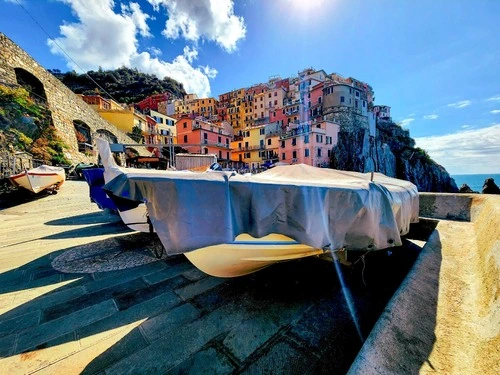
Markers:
<point>123,85</point>
<point>26,125</point>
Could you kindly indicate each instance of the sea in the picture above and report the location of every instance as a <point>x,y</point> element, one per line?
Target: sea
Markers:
<point>475,181</point>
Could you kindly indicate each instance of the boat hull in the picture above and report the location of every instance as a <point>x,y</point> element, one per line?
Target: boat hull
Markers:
<point>248,254</point>
<point>39,179</point>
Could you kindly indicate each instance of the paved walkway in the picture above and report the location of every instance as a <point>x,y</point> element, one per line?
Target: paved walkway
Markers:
<point>166,316</point>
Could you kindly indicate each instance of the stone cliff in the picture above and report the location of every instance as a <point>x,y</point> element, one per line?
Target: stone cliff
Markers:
<point>392,151</point>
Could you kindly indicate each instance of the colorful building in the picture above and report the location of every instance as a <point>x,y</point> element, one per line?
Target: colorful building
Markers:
<point>309,143</point>
<point>151,102</point>
<point>249,146</point>
<point>198,136</point>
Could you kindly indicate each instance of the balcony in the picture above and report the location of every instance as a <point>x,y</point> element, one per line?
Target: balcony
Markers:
<point>252,148</point>
<point>300,130</point>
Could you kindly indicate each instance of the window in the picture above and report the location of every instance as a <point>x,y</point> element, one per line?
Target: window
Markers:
<point>219,139</point>
<point>306,138</point>
<point>185,139</point>
<point>269,103</point>
<point>185,125</point>
<point>262,131</point>
<point>342,99</point>
<point>319,100</point>
<point>283,156</point>
<point>269,94</point>
<point>363,104</point>
<point>269,142</point>
<point>275,102</point>
<point>357,94</point>
<point>205,136</point>
<point>294,142</point>
<point>356,104</point>
<point>282,144</point>
<point>294,154</point>
<point>276,93</point>
<point>306,152</point>
<point>261,143</point>
<point>319,152</point>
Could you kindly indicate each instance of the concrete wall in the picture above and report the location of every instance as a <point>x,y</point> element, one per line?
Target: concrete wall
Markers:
<point>63,103</point>
<point>445,317</point>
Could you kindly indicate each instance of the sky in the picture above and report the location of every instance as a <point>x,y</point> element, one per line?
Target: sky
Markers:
<point>436,63</point>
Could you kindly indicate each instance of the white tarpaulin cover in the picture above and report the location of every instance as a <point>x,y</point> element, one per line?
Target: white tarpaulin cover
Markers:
<point>322,208</point>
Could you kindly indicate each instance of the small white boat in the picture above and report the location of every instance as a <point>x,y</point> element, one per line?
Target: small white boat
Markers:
<point>41,178</point>
<point>230,225</point>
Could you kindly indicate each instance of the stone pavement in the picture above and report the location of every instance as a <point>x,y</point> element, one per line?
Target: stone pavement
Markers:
<point>166,316</point>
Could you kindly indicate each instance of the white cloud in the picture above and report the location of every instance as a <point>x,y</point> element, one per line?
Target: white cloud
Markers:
<point>213,20</point>
<point>103,38</point>
<point>154,51</point>
<point>467,151</point>
<point>431,117</point>
<point>466,126</point>
<point>406,121</point>
<point>180,69</point>
<point>133,12</point>
<point>460,104</point>
<point>495,111</point>
<point>495,98</point>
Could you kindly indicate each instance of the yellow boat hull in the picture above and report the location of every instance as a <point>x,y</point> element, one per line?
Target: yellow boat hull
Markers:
<point>248,254</point>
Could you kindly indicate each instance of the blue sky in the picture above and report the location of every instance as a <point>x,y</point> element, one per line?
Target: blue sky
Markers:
<point>435,63</point>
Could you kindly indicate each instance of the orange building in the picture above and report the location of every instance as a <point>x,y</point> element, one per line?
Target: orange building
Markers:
<point>198,136</point>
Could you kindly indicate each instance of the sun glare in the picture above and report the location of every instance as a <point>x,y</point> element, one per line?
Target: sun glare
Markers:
<point>303,8</point>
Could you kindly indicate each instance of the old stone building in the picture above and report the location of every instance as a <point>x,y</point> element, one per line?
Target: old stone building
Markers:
<point>76,123</point>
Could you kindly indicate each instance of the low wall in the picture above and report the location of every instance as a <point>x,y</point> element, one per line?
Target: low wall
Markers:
<point>445,317</point>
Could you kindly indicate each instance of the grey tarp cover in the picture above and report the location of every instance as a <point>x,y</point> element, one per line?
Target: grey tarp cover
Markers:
<point>315,206</point>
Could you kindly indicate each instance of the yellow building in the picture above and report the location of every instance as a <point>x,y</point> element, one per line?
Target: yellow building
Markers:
<point>185,105</point>
<point>167,131</point>
<point>249,146</point>
<point>123,117</point>
<point>206,107</point>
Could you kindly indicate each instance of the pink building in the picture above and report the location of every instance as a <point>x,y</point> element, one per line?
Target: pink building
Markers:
<point>202,137</point>
<point>309,143</point>
<point>315,101</point>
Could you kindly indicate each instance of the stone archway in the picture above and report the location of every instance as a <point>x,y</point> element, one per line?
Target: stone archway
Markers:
<point>32,84</point>
<point>107,135</point>
<point>83,135</point>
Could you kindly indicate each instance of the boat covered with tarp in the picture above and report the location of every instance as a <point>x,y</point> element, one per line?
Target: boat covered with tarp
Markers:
<point>320,210</point>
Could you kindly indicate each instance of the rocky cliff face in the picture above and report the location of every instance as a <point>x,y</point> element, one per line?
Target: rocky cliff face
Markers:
<point>393,153</point>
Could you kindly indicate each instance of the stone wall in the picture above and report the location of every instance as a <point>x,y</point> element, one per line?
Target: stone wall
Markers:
<point>65,106</point>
